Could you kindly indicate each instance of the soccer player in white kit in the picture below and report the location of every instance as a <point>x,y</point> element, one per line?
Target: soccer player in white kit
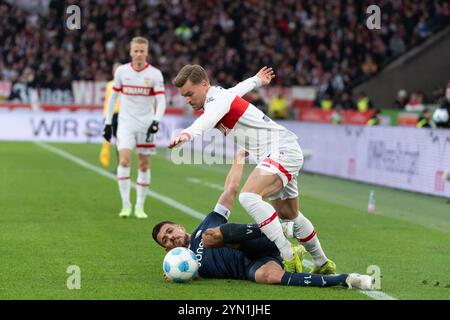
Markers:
<point>143,104</point>
<point>275,149</point>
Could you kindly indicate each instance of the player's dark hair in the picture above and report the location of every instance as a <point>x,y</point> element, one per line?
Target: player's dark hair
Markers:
<point>158,227</point>
<point>192,72</point>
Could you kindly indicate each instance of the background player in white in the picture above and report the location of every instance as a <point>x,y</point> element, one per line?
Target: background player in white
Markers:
<point>275,149</point>
<point>142,105</point>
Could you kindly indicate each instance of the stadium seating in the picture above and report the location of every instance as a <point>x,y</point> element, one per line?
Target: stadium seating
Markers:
<point>320,43</point>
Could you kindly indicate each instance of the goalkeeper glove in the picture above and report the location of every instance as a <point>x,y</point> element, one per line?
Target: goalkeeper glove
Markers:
<point>107,132</point>
<point>154,127</point>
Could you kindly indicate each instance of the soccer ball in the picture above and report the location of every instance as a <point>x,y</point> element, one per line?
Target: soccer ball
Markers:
<point>180,265</point>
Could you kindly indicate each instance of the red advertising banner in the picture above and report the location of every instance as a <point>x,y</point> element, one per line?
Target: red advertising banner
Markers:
<point>315,115</point>
<point>5,88</point>
<point>348,116</point>
<point>356,117</point>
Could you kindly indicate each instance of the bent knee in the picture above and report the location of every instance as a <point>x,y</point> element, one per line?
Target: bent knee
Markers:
<point>247,199</point>
<point>269,276</point>
<point>288,213</point>
<point>125,163</point>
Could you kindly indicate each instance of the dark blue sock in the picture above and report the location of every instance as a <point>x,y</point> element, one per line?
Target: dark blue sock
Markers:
<point>313,280</point>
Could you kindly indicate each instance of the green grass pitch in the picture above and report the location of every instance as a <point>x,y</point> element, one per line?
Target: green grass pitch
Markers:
<point>56,213</point>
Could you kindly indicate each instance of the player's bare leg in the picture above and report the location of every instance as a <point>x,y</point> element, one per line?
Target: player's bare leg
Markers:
<point>304,232</point>
<point>124,180</point>
<point>259,185</point>
<point>142,184</point>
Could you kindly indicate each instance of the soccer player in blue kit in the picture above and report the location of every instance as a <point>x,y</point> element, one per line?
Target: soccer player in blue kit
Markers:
<point>242,251</point>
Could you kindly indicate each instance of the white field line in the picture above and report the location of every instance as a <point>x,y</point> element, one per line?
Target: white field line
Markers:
<point>207,184</point>
<point>103,172</point>
<point>377,295</point>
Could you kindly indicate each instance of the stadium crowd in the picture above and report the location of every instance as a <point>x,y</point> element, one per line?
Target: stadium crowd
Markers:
<point>312,42</point>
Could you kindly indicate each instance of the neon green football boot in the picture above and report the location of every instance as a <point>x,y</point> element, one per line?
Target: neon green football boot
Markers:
<point>140,213</point>
<point>295,264</point>
<point>125,212</point>
<point>328,268</point>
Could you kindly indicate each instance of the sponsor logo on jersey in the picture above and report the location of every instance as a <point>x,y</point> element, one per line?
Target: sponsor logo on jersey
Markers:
<point>210,99</point>
<point>199,253</point>
<point>137,91</point>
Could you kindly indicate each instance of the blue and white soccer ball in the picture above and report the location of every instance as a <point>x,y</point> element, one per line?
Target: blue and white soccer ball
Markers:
<point>180,265</point>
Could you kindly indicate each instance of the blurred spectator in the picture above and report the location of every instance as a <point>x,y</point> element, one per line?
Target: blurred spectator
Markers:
<point>441,115</point>
<point>438,94</point>
<point>337,115</point>
<point>257,100</point>
<point>183,32</point>
<point>375,119</point>
<point>369,67</point>
<point>397,45</point>
<point>323,43</point>
<point>422,28</point>
<point>326,103</point>
<point>425,119</point>
<point>346,101</point>
<point>278,108</point>
<point>363,102</point>
<point>415,102</point>
<point>402,99</point>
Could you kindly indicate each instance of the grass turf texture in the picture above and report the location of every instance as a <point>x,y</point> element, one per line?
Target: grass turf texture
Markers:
<point>56,213</point>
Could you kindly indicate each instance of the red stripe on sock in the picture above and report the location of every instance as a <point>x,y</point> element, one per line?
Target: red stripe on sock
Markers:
<point>146,146</point>
<point>308,237</point>
<point>142,184</point>
<point>268,220</point>
<point>123,178</point>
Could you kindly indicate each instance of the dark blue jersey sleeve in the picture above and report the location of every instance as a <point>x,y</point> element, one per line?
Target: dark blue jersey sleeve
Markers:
<point>225,263</point>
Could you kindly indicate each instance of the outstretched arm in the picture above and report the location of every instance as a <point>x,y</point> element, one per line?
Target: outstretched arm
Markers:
<point>231,235</point>
<point>216,110</point>
<point>232,181</point>
<point>262,78</point>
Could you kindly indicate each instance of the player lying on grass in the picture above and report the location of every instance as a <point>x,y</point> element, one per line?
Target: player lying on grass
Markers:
<point>240,251</point>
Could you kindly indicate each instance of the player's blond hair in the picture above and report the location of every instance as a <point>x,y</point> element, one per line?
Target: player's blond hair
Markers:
<point>192,72</point>
<point>139,40</point>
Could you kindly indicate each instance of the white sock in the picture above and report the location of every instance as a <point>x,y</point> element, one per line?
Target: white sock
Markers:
<point>123,178</point>
<point>267,219</point>
<point>142,184</point>
<point>306,235</point>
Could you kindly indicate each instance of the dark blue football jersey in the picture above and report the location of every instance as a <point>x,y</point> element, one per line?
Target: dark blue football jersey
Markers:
<point>224,263</point>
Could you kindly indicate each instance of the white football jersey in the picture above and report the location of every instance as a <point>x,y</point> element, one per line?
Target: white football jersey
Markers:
<point>139,89</point>
<point>251,129</point>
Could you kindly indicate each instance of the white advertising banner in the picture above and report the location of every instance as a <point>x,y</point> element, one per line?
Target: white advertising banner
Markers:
<point>71,127</point>
<point>405,158</point>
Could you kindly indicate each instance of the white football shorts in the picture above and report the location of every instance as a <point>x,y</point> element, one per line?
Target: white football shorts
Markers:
<point>128,138</point>
<point>286,162</point>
